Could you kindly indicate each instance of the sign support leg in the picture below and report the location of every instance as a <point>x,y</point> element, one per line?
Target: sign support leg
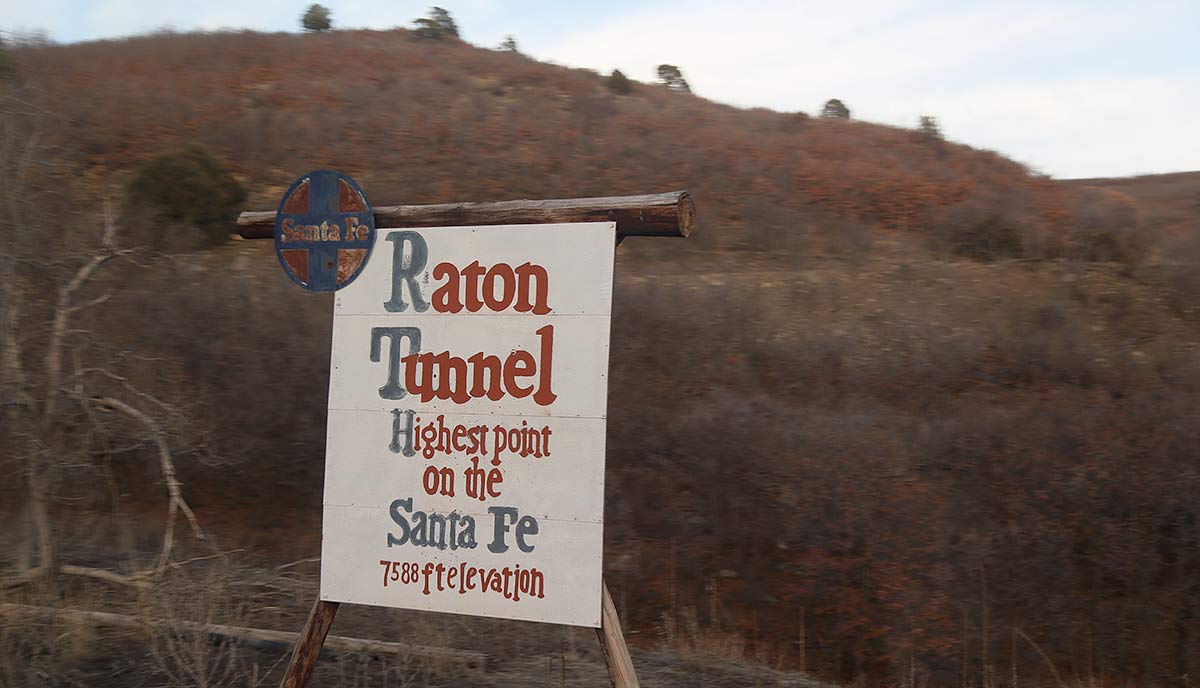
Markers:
<point>309,644</point>
<point>612,645</point>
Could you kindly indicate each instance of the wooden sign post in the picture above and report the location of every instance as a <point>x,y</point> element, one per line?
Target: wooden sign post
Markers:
<point>463,401</point>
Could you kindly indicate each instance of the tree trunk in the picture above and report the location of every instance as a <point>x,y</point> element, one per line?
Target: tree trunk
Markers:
<point>39,512</point>
<point>962,676</point>
<point>12,401</point>
<point>984,669</point>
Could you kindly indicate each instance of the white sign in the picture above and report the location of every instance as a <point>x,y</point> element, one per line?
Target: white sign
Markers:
<point>464,467</point>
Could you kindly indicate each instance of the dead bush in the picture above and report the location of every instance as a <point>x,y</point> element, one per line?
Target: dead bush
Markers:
<point>978,233</point>
<point>684,634</point>
<point>1105,227</point>
<point>48,651</point>
<point>185,658</point>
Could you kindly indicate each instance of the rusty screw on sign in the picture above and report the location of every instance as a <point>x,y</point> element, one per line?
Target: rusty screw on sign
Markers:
<point>324,231</point>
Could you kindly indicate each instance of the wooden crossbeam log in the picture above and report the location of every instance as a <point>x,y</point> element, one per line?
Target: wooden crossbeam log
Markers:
<point>671,214</point>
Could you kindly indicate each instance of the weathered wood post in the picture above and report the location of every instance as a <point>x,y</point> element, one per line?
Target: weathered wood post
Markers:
<point>671,214</point>
<point>658,215</point>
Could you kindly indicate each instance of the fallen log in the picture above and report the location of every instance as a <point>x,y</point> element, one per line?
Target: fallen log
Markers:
<point>136,580</point>
<point>254,637</point>
<point>664,215</point>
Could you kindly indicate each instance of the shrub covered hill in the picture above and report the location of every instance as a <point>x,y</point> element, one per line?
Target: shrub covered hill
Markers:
<point>900,411</point>
<point>433,121</point>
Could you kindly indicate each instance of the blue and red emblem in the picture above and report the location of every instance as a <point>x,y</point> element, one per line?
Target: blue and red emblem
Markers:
<point>324,231</point>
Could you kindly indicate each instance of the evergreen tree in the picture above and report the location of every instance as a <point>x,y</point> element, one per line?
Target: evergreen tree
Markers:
<point>930,128</point>
<point>189,186</point>
<point>672,78</point>
<point>439,25</point>
<point>619,83</point>
<point>835,109</point>
<point>316,18</point>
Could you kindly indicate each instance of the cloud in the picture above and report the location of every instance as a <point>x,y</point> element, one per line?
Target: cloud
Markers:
<point>1087,126</point>
<point>769,52</point>
<point>1073,87</point>
<point>1062,87</point>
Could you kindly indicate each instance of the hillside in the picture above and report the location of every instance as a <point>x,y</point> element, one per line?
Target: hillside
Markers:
<point>425,121</point>
<point>899,413</point>
<point>1170,203</point>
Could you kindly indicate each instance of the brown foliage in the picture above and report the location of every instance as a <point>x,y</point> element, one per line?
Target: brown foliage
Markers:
<point>861,461</point>
<point>421,121</point>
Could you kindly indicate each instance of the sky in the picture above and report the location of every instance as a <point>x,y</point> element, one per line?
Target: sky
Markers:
<point>1082,88</point>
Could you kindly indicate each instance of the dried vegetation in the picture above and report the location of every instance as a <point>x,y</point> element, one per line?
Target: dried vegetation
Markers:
<point>901,413</point>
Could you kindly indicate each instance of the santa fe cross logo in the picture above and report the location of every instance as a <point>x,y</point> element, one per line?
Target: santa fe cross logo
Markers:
<point>324,231</point>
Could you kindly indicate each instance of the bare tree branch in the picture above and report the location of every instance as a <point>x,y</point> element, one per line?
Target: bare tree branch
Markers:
<point>94,302</point>
<point>126,385</point>
<point>176,503</point>
<point>137,580</point>
<point>63,310</point>
<point>13,374</point>
<point>1045,658</point>
<point>31,148</point>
